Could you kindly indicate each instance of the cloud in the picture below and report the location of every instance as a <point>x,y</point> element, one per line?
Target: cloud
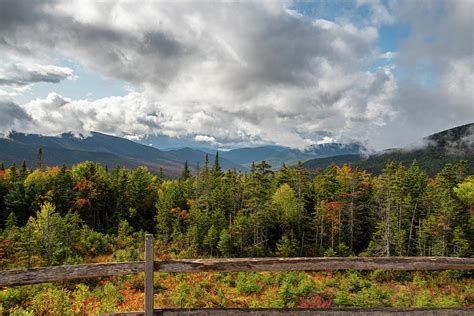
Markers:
<point>204,138</point>
<point>24,74</point>
<point>12,117</point>
<point>379,13</point>
<point>437,63</point>
<point>388,55</point>
<point>207,139</point>
<point>245,72</point>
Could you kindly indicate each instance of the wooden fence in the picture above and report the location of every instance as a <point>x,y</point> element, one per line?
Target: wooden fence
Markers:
<point>82,271</point>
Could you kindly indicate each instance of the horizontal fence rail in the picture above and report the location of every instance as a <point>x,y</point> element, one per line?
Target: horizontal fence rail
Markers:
<point>314,264</point>
<point>82,271</point>
<point>64,273</point>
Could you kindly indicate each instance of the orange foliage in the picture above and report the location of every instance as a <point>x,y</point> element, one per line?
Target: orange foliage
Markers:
<point>179,212</point>
<point>132,300</point>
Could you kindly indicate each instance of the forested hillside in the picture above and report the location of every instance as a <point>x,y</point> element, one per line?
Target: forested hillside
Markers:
<point>340,211</point>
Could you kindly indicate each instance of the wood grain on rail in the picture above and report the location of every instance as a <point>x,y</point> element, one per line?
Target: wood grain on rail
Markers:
<point>314,264</point>
<point>62,273</point>
<point>82,271</point>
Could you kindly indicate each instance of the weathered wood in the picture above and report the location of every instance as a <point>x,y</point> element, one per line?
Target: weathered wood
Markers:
<point>307,311</point>
<point>314,264</point>
<point>149,258</point>
<point>52,274</point>
<point>61,273</point>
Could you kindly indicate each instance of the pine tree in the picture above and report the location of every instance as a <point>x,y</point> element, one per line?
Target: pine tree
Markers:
<point>160,175</point>
<point>216,170</point>
<point>186,174</point>
<point>225,246</point>
<point>39,159</point>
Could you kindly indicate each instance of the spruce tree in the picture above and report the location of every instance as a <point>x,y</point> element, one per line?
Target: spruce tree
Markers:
<point>186,174</point>
<point>39,159</point>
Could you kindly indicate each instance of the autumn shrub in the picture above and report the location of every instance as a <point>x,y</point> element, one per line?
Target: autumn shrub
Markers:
<point>52,301</point>
<point>15,296</point>
<point>224,277</point>
<point>93,243</point>
<point>382,275</point>
<point>402,298</point>
<point>422,299</point>
<point>419,280</point>
<point>83,301</point>
<point>287,295</point>
<point>181,296</point>
<point>448,300</point>
<point>370,296</point>
<point>123,255</point>
<point>357,281</point>
<point>306,288</point>
<point>109,297</point>
<point>268,278</point>
<point>248,283</point>
<point>271,299</point>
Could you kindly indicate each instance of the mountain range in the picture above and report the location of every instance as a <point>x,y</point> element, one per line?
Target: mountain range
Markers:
<point>431,152</point>
<point>105,149</point>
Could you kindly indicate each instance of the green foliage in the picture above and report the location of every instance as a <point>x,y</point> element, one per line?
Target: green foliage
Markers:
<point>52,301</point>
<point>286,247</point>
<point>225,244</point>
<point>366,297</point>
<point>423,299</point>
<point>181,296</point>
<point>109,297</point>
<point>286,295</point>
<point>248,283</point>
<point>465,191</point>
<point>93,243</point>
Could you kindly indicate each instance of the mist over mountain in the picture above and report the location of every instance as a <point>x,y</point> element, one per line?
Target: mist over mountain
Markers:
<point>431,153</point>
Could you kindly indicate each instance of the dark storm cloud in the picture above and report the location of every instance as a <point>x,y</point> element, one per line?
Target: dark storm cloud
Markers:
<point>32,28</point>
<point>12,117</point>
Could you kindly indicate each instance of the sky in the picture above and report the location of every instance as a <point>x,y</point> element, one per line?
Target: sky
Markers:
<point>229,74</point>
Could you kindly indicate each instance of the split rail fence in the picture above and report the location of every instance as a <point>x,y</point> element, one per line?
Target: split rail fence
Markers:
<point>82,271</point>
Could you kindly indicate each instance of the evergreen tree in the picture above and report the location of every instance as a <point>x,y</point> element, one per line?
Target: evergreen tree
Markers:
<point>186,174</point>
<point>216,170</point>
<point>39,159</point>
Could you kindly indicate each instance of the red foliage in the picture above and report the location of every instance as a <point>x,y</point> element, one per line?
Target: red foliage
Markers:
<point>315,302</point>
<point>4,247</point>
<point>84,186</point>
<point>2,172</point>
<point>82,203</point>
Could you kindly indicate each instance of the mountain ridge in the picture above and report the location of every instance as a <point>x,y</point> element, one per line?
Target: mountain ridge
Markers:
<point>431,153</point>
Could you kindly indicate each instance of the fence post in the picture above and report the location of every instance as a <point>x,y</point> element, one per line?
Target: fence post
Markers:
<point>149,258</point>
